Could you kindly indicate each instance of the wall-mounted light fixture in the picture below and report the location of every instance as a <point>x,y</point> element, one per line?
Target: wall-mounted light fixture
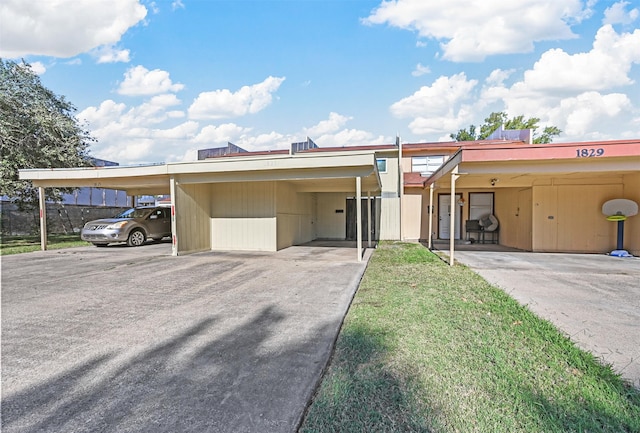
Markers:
<point>461,201</point>
<point>494,181</point>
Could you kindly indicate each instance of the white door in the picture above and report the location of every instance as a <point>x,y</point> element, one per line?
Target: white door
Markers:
<point>444,217</point>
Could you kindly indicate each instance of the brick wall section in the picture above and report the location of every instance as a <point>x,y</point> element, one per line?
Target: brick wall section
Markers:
<point>60,219</point>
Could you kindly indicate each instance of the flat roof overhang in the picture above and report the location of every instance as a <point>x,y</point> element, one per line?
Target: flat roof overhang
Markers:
<point>325,172</point>
<point>525,166</point>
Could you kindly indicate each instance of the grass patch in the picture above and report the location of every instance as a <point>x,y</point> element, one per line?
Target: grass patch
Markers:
<point>429,347</point>
<point>26,244</point>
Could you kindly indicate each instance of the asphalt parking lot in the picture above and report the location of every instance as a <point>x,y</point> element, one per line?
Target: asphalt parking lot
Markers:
<point>135,340</point>
<point>593,298</point>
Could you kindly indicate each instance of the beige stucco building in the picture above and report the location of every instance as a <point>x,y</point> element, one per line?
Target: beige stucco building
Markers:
<point>545,197</point>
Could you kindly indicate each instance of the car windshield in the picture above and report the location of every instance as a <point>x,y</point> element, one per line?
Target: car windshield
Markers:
<point>133,213</point>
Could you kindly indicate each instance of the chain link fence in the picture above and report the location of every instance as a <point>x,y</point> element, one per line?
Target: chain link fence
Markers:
<point>61,219</point>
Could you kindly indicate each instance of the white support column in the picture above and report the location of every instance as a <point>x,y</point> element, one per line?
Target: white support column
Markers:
<point>174,226</point>
<point>359,216</point>
<point>43,218</point>
<point>452,226</point>
<point>369,219</point>
<point>430,214</point>
<point>400,187</point>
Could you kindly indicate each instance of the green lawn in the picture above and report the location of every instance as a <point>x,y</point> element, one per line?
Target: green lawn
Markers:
<point>429,347</point>
<point>25,244</point>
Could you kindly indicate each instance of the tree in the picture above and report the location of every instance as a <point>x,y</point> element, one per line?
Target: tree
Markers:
<point>37,130</point>
<point>496,119</point>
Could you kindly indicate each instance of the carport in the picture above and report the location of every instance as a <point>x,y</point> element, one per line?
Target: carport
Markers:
<point>547,197</point>
<point>255,202</point>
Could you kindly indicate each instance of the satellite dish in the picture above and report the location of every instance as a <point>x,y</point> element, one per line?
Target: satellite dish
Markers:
<point>618,210</point>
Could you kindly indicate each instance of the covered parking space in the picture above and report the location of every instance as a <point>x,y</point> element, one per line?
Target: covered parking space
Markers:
<point>546,197</point>
<point>255,202</point>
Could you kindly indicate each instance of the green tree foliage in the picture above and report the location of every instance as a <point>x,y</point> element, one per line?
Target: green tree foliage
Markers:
<point>494,121</point>
<point>37,130</point>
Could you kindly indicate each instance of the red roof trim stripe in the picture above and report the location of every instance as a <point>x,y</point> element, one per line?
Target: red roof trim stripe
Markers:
<point>598,149</point>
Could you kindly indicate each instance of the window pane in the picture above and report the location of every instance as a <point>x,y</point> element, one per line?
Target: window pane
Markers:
<point>426,164</point>
<point>382,165</point>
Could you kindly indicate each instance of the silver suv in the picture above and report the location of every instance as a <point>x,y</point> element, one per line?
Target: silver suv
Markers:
<point>133,226</point>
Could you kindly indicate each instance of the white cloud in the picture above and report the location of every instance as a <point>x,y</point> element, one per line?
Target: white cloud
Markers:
<point>350,137</point>
<point>332,124</point>
<point>64,28</point>
<point>579,93</point>
<point>265,141</point>
<point>38,67</point>
<point>134,151</point>
<point>448,123</point>
<point>110,54</point>
<point>441,97</point>
<point>213,136</point>
<point>223,103</point>
<point>607,65</point>
<point>175,114</point>
<point>617,14</point>
<point>107,112</point>
<point>165,101</point>
<point>470,30</point>
<point>138,134</point>
<point>577,115</point>
<point>177,4</point>
<point>184,130</point>
<point>498,76</point>
<point>152,112</point>
<point>421,70</point>
<point>331,132</point>
<point>141,81</point>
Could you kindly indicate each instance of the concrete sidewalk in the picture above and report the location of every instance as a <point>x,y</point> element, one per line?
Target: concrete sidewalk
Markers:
<point>594,299</point>
<point>135,340</point>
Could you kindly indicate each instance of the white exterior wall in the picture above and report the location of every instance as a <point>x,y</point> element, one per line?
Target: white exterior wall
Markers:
<point>390,218</point>
<point>412,215</point>
<point>243,216</point>
<point>294,216</point>
<point>390,202</point>
<point>192,217</point>
<point>330,224</point>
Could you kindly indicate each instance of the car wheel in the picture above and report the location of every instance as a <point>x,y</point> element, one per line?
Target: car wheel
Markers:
<point>100,245</point>
<point>136,238</point>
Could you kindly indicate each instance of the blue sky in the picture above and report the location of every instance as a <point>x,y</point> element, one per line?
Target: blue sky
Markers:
<point>157,80</point>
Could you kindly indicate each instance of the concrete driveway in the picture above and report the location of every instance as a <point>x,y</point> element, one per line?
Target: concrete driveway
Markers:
<point>135,340</point>
<point>594,299</point>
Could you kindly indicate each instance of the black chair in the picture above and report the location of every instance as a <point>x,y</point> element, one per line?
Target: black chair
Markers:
<point>473,226</point>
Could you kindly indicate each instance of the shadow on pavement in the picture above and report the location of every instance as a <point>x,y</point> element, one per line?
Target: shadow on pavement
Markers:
<point>237,382</point>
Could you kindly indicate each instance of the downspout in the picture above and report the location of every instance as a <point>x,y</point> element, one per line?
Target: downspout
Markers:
<point>43,218</point>
<point>359,216</point>
<point>452,226</point>
<point>400,186</point>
